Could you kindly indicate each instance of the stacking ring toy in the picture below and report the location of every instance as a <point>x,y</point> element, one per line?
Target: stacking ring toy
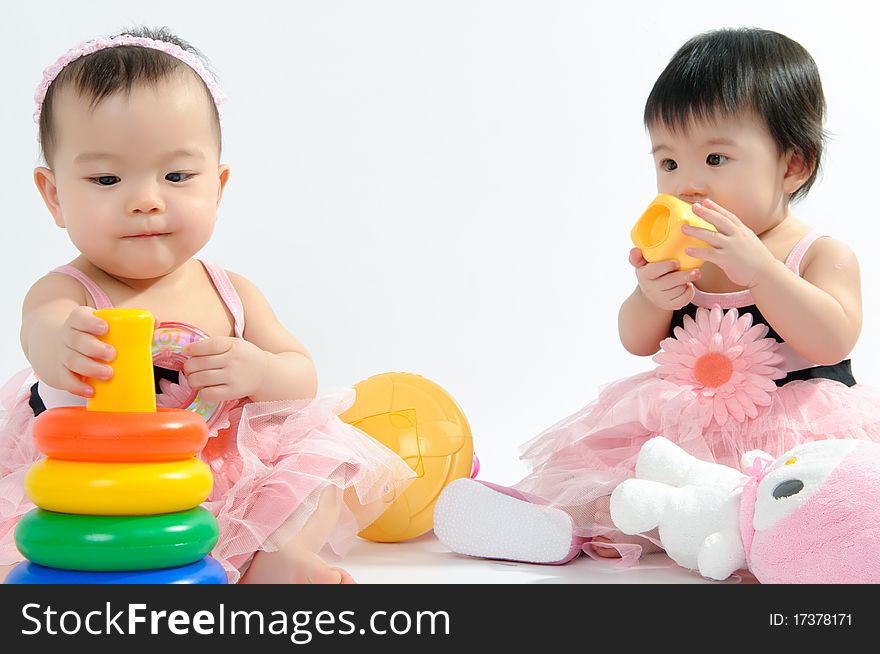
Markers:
<point>169,341</point>
<point>76,434</point>
<point>131,388</point>
<point>113,543</point>
<point>206,571</point>
<point>118,488</point>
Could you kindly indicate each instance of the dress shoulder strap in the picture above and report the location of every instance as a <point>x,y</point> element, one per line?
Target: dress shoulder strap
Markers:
<point>228,294</point>
<point>98,296</point>
<point>793,261</point>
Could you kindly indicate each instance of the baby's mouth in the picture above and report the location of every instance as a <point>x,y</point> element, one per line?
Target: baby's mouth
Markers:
<point>147,235</point>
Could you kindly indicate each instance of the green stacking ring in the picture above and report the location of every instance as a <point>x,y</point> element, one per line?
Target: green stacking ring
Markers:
<point>115,543</point>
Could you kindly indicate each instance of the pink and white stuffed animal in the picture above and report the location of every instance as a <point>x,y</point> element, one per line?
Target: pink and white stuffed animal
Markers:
<point>810,516</point>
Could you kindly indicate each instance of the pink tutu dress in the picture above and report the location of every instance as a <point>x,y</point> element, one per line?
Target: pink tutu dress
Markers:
<point>726,384</point>
<point>271,460</point>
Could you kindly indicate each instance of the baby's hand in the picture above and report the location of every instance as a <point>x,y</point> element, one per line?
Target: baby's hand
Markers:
<point>735,248</point>
<point>225,368</point>
<point>82,354</point>
<point>662,283</point>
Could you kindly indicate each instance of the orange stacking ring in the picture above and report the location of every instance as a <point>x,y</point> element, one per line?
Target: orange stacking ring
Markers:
<point>76,434</point>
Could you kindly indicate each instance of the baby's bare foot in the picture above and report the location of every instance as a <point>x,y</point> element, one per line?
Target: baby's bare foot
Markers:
<point>316,571</point>
<point>293,566</point>
<point>605,551</point>
<point>603,517</point>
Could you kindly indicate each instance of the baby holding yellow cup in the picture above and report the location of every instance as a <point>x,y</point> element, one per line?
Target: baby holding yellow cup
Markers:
<point>658,234</point>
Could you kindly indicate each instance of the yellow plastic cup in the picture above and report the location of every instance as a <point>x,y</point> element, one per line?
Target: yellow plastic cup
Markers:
<point>131,389</point>
<point>658,232</point>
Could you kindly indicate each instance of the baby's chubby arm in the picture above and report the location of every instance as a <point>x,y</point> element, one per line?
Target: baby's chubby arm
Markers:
<point>59,335</point>
<point>820,313</point>
<point>268,364</point>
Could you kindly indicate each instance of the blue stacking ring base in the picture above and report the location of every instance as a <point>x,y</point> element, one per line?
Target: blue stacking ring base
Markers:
<point>204,571</point>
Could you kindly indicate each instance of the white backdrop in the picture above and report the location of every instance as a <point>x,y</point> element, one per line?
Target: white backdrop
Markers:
<point>445,187</point>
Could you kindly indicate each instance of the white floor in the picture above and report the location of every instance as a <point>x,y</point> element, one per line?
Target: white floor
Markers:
<point>425,560</point>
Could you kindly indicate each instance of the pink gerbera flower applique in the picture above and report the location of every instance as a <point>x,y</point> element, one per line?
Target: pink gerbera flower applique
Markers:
<point>174,396</point>
<point>727,362</point>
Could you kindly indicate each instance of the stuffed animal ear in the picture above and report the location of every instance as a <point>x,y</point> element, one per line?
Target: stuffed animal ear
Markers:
<point>662,460</point>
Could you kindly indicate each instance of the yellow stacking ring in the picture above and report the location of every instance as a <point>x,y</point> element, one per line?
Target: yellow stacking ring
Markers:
<point>118,488</point>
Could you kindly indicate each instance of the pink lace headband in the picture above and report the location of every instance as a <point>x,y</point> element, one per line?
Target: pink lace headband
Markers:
<point>90,47</point>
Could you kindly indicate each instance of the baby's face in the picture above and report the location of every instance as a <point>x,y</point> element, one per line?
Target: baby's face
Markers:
<point>731,160</point>
<point>138,177</point>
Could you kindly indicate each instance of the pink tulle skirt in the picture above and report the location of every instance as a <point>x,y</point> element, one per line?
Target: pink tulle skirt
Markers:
<point>271,466</point>
<point>577,463</point>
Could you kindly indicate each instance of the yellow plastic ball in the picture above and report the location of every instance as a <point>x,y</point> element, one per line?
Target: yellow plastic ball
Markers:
<point>423,424</point>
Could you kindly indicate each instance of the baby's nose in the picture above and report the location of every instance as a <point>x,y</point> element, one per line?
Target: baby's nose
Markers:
<point>146,200</point>
<point>692,190</point>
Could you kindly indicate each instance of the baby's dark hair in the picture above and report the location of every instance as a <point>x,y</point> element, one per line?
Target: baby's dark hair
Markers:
<point>111,70</point>
<point>726,71</point>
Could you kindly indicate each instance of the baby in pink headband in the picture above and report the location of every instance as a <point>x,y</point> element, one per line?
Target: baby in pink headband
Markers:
<point>130,130</point>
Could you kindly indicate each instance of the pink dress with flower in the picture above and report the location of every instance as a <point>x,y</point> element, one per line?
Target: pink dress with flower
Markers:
<point>271,460</point>
<point>726,384</point>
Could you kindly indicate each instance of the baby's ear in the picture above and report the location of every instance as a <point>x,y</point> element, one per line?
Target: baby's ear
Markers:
<point>797,171</point>
<point>224,177</point>
<point>44,178</point>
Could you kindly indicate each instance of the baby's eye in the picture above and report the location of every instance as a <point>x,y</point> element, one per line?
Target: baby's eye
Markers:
<point>105,180</point>
<point>715,159</point>
<point>178,177</point>
<point>668,165</point>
